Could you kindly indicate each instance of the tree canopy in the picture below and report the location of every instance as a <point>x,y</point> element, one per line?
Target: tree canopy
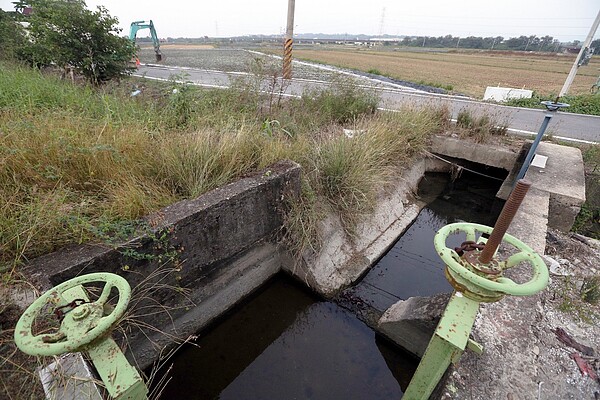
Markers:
<point>66,33</point>
<point>12,37</point>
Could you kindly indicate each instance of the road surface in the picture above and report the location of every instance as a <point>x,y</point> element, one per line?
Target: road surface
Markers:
<point>574,127</point>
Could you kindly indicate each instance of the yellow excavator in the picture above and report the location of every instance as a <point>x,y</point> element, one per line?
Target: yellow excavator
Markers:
<point>136,26</point>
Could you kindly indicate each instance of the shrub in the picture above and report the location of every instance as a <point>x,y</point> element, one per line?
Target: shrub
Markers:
<point>68,34</point>
<point>580,104</point>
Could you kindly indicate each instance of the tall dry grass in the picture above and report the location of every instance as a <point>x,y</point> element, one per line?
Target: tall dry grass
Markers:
<point>78,164</point>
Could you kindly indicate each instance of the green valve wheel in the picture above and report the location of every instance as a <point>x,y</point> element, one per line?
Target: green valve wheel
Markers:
<point>485,282</point>
<point>81,325</point>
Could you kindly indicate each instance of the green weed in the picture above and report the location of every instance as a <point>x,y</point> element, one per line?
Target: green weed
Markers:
<point>479,128</point>
<point>587,221</point>
<point>590,290</point>
<point>447,87</point>
<point>580,104</point>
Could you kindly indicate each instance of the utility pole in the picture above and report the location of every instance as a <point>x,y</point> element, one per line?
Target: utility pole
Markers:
<point>289,41</point>
<point>382,22</point>
<point>578,61</point>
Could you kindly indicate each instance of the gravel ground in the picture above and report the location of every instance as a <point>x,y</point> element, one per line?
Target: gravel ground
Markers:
<point>241,60</point>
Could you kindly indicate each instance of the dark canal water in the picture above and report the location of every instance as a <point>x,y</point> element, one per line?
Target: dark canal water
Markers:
<point>286,343</point>
<point>412,267</point>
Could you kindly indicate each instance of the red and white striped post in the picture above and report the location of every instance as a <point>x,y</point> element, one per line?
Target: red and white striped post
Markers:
<point>288,42</point>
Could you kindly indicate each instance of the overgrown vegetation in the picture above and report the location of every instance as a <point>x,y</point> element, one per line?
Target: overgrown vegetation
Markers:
<point>479,128</point>
<point>68,35</point>
<point>79,162</point>
<point>580,104</point>
<point>588,219</point>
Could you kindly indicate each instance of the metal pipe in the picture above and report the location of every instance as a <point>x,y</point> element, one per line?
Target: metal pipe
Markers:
<point>506,216</point>
<point>533,148</point>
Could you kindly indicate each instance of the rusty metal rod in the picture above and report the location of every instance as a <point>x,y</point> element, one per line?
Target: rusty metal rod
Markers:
<point>506,216</point>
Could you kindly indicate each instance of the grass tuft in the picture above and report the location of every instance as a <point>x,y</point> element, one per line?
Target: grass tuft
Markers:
<point>478,128</point>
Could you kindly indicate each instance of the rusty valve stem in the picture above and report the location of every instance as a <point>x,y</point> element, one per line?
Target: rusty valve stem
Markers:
<point>506,216</point>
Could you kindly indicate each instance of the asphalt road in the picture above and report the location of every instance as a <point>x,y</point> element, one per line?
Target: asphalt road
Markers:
<point>570,126</point>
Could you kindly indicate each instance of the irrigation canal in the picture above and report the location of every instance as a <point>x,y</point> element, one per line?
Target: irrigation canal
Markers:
<point>286,343</point>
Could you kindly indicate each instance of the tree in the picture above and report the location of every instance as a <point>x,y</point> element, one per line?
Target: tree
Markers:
<point>596,46</point>
<point>66,33</point>
<point>12,36</point>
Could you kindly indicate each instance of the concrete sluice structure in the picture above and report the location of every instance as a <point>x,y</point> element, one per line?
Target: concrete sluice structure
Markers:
<point>227,246</point>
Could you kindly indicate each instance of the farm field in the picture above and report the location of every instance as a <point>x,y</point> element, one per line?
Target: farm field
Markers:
<point>225,59</point>
<point>467,73</point>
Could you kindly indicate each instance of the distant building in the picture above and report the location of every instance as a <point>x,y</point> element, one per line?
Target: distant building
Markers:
<point>572,50</point>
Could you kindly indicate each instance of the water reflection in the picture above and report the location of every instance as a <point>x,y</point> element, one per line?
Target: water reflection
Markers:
<point>286,344</point>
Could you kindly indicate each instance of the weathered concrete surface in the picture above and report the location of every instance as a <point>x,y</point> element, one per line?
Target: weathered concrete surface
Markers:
<point>564,178</point>
<point>204,254</point>
<point>531,221</point>
<point>342,260</point>
<point>487,154</point>
<point>206,300</point>
<point>411,323</point>
<point>203,231</point>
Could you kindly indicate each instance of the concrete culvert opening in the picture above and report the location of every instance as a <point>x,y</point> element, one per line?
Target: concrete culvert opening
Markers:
<point>286,342</point>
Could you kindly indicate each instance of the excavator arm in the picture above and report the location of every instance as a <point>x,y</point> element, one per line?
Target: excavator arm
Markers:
<point>136,26</point>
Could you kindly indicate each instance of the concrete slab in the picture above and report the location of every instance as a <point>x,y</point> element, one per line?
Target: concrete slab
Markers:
<point>531,221</point>
<point>487,154</point>
<point>69,377</point>
<point>411,323</point>
<point>563,177</point>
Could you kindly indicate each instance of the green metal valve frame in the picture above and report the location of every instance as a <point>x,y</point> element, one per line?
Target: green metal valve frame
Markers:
<point>85,328</point>
<point>81,326</point>
<point>447,344</point>
<point>474,283</point>
<point>471,277</point>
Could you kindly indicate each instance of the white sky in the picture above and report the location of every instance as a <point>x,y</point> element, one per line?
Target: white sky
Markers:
<point>567,20</point>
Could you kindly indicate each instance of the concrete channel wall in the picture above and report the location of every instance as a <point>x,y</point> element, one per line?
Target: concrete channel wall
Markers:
<point>196,259</point>
<point>342,259</point>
